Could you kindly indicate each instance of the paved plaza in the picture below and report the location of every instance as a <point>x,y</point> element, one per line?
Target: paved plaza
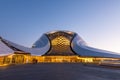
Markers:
<point>60,71</point>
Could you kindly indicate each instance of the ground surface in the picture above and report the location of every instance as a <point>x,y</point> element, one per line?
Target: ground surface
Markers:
<point>58,72</point>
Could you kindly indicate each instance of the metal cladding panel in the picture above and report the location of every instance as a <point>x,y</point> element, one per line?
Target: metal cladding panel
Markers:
<point>4,49</point>
<point>34,51</point>
<point>80,47</point>
<point>57,43</point>
<point>41,42</point>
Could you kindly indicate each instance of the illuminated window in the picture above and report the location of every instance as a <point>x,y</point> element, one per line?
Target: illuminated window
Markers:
<point>60,44</point>
<point>60,41</point>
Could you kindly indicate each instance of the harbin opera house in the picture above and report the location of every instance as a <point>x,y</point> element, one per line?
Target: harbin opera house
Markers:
<point>56,47</point>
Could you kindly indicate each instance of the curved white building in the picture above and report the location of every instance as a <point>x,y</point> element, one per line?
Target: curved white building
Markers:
<point>56,43</point>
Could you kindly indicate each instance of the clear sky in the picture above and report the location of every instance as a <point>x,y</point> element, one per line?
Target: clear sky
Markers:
<point>96,21</point>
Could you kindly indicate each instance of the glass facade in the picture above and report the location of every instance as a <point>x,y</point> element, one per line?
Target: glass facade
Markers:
<point>60,43</point>
<point>16,58</point>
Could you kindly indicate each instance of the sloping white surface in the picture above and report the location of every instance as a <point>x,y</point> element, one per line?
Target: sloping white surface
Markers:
<point>33,51</point>
<point>4,49</point>
<point>82,49</point>
<point>78,45</point>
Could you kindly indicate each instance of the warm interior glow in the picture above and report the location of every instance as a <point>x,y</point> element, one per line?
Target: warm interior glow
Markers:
<point>22,59</point>
<point>60,41</point>
<point>60,45</point>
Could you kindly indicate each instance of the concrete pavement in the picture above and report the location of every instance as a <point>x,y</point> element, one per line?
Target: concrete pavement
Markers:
<point>60,71</point>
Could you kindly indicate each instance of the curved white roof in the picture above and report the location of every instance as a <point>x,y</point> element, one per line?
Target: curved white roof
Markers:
<point>4,49</point>
<point>33,51</point>
<point>66,31</point>
<point>80,47</point>
<point>42,46</point>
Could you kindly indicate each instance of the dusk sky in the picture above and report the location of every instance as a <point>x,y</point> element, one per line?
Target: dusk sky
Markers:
<point>96,21</point>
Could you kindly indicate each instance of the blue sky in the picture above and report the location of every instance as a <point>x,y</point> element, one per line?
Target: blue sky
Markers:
<point>96,21</point>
